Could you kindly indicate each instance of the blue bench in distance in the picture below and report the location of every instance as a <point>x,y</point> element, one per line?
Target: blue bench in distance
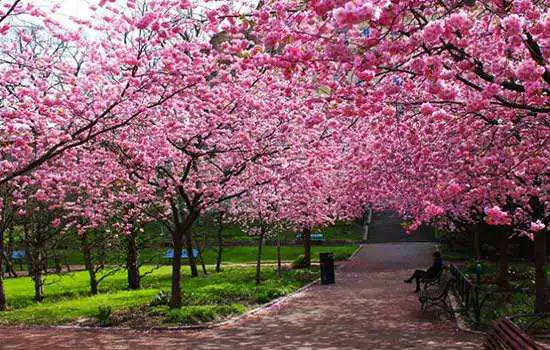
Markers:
<point>18,255</point>
<point>170,253</point>
<point>316,236</point>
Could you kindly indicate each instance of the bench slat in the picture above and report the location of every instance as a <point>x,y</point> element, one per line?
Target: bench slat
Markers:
<point>504,334</point>
<point>518,332</point>
<point>509,338</point>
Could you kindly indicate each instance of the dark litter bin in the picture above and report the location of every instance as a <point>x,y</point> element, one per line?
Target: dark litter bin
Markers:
<point>327,268</point>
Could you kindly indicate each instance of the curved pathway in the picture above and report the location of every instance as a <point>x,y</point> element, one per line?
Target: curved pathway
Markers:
<point>369,307</point>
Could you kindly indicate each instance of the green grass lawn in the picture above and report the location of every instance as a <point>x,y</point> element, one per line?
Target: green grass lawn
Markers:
<point>205,297</point>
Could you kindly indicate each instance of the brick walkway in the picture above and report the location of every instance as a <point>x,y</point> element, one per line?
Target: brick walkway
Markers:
<point>369,308</point>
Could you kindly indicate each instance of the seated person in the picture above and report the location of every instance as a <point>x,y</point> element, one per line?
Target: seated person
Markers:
<point>432,272</point>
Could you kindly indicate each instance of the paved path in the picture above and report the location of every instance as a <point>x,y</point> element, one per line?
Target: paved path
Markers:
<point>369,308</point>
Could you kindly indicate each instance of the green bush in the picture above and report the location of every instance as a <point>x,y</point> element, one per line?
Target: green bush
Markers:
<point>202,313</point>
<point>299,263</point>
<point>162,298</point>
<point>104,315</point>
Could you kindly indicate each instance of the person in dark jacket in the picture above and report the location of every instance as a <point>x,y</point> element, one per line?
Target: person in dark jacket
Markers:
<point>432,272</point>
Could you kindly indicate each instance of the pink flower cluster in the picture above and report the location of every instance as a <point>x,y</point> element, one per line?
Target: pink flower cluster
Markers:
<point>495,216</point>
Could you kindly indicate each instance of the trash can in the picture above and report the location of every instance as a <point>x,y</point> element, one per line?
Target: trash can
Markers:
<point>327,268</point>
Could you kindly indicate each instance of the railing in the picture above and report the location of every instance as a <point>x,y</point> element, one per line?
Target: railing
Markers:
<point>467,294</point>
<point>473,296</point>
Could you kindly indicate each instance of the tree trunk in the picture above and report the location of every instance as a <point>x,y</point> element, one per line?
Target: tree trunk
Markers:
<point>36,269</point>
<point>475,233</point>
<point>89,264</point>
<point>177,245</point>
<point>307,248</point>
<point>38,284</point>
<point>3,305</point>
<point>201,259</point>
<point>190,257</point>
<point>220,244</point>
<point>279,257</point>
<point>542,304</point>
<point>9,260</point>
<point>541,283</point>
<point>367,218</point>
<point>259,257</point>
<point>502,278</point>
<point>132,262</point>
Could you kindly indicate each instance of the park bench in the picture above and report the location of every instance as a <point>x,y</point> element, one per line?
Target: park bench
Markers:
<point>18,257</point>
<point>170,254</point>
<point>504,334</point>
<point>317,237</point>
<point>435,291</point>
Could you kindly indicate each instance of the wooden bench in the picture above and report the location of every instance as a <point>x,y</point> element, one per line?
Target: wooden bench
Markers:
<point>435,292</point>
<point>504,334</point>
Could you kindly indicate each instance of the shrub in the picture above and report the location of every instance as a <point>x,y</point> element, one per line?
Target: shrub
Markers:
<point>162,298</point>
<point>202,313</point>
<point>104,315</point>
<point>299,263</point>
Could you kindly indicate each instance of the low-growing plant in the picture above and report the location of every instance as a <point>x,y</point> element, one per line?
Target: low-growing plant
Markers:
<point>299,262</point>
<point>104,315</point>
<point>202,313</point>
<point>162,298</point>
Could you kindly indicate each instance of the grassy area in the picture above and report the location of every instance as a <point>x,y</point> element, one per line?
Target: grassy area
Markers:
<point>206,298</point>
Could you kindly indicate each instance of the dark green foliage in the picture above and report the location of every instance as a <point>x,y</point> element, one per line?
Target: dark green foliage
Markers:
<point>299,262</point>
<point>202,313</point>
<point>160,299</point>
<point>104,315</point>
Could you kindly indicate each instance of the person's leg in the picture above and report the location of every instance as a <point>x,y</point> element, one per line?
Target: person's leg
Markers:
<point>416,274</point>
<point>419,274</point>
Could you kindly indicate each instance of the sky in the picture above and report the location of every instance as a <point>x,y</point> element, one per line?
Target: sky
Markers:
<point>78,8</point>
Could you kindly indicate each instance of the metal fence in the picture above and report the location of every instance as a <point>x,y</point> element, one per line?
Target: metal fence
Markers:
<point>473,296</point>
<point>467,294</point>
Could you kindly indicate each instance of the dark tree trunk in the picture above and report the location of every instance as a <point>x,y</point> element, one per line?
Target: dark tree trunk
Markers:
<point>89,264</point>
<point>9,253</point>
<point>177,245</point>
<point>541,282</point>
<point>307,247</point>
<point>132,261</point>
<point>37,268</point>
<point>38,284</point>
<point>279,257</point>
<point>220,244</point>
<point>502,278</point>
<point>190,257</point>
<point>259,257</point>
<point>3,302</point>
<point>199,250</point>
<point>542,304</point>
<point>57,263</point>
<point>3,305</point>
<point>475,228</point>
